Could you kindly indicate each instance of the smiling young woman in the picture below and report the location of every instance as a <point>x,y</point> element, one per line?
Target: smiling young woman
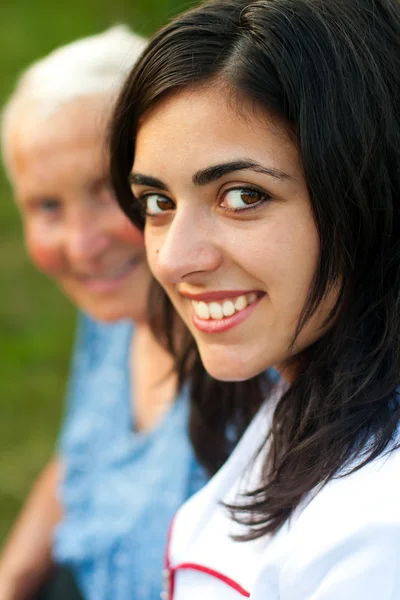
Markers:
<point>229,228</point>
<point>258,146</point>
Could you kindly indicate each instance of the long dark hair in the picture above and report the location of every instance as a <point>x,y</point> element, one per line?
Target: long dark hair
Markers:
<point>330,69</point>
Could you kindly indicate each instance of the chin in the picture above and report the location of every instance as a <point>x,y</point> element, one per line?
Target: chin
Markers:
<point>110,316</point>
<point>225,368</point>
<point>105,313</point>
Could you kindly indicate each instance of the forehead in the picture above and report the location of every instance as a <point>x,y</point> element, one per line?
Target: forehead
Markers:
<point>41,144</point>
<point>194,128</point>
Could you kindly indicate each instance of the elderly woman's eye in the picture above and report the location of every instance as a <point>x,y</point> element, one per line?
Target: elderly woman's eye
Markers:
<point>48,205</point>
<point>155,204</point>
<point>243,198</point>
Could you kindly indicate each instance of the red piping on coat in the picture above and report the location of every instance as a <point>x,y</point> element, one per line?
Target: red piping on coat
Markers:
<point>216,574</point>
<point>195,567</point>
<point>168,567</point>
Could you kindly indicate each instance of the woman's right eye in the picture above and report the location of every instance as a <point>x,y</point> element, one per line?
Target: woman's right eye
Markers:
<point>155,204</point>
<point>48,206</point>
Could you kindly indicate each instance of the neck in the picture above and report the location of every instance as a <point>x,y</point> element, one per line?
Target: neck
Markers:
<point>153,379</point>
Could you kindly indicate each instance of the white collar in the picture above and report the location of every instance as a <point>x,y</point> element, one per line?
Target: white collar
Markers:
<point>203,528</point>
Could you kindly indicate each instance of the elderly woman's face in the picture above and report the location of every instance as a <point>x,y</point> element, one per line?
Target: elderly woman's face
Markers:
<point>74,229</point>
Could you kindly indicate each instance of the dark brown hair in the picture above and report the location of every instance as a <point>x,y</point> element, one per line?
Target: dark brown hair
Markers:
<point>331,70</point>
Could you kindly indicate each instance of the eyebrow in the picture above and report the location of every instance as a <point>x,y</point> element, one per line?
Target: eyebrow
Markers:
<point>213,173</point>
<point>140,179</point>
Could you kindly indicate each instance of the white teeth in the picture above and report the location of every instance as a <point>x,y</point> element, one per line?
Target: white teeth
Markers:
<point>215,310</point>
<point>226,308</point>
<point>201,309</point>
<point>240,303</point>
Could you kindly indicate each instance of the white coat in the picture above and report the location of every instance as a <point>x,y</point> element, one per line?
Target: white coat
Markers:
<point>343,543</point>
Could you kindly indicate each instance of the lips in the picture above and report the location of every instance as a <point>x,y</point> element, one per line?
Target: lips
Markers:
<point>215,312</point>
<point>109,281</point>
<point>112,273</point>
<point>226,307</point>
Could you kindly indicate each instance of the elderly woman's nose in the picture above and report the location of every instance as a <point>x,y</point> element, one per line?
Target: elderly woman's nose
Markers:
<point>86,236</point>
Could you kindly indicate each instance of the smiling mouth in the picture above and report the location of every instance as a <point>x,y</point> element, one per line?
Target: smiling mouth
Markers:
<point>112,274</point>
<point>219,310</point>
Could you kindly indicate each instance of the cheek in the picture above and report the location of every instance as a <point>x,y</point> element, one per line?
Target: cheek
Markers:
<point>282,254</point>
<point>129,233</point>
<point>44,253</point>
<point>153,244</point>
<point>292,263</point>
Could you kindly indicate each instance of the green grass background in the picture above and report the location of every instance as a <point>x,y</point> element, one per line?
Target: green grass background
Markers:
<point>36,322</point>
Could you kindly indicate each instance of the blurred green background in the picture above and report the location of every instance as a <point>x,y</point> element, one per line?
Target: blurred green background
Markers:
<point>36,322</point>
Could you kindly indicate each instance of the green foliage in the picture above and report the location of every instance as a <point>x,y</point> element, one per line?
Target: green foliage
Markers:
<point>36,322</point>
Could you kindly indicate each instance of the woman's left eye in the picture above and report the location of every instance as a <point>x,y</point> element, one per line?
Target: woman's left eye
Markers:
<point>243,198</point>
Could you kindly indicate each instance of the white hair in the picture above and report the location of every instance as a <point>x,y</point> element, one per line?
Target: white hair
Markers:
<point>94,65</point>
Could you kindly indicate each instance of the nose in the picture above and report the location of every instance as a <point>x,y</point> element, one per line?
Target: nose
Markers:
<point>185,251</point>
<point>85,238</point>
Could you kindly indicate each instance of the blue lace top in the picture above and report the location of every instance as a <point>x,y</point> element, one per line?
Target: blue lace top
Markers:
<point>121,488</point>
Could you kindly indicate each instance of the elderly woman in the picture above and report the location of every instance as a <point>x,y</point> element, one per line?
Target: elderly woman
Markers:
<point>124,462</point>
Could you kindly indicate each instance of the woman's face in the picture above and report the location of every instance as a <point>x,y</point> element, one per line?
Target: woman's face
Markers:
<point>230,233</point>
<point>74,229</point>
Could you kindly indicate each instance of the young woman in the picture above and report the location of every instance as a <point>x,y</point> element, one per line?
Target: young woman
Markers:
<point>258,145</point>
<point>124,461</point>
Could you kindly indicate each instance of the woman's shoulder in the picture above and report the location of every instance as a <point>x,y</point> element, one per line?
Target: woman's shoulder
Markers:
<point>367,494</point>
<point>349,528</point>
<point>344,540</point>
